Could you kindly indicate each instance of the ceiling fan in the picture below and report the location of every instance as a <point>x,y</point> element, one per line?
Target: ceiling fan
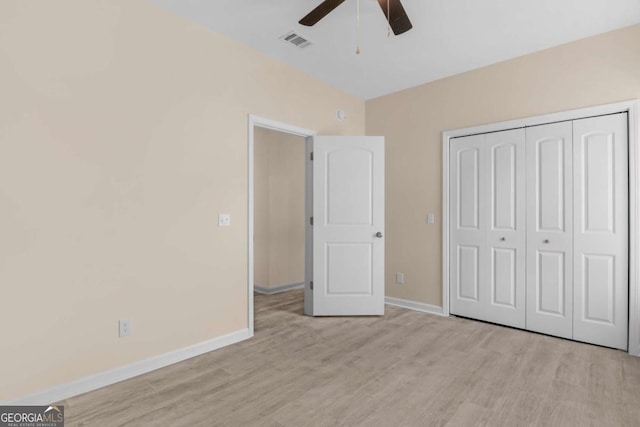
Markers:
<point>392,9</point>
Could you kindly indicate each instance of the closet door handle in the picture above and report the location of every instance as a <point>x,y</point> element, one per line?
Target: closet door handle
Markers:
<point>502,239</point>
<point>546,241</point>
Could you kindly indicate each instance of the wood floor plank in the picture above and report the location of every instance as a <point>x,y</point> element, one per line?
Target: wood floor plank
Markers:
<point>404,369</point>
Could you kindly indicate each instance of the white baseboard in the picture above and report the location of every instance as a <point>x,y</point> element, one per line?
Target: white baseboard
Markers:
<point>412,305</point>
<point>270,291</point>
<point>83,385</point>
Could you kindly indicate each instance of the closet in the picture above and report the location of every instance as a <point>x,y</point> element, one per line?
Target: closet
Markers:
<point>538,228</point>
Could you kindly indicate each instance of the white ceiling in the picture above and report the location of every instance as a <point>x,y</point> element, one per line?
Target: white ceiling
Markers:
<point>448,36</point>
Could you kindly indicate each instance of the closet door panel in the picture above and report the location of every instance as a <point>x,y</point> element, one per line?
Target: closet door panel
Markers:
<point>551,287</point>
<point>506,231</point>
<point>601,230</point>
<point>549,229</point>
<point>468,207</point>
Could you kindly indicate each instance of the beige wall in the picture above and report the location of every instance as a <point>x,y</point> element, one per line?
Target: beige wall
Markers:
<point>123,134</point>
<point>593,71</point>
<point>278,208</point>
<point>260,207</point>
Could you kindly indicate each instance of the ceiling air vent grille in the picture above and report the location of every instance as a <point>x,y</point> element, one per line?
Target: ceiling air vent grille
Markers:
<point>296,40</point>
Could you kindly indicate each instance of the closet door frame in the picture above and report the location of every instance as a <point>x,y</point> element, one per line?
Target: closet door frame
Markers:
<point>630,107</point>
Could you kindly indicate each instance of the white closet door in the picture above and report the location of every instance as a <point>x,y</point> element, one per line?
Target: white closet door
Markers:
<point>550,229</point>
<point>488,227</point>
<point>468,248</point>
<point>506,230</point>
<point>601,230</point>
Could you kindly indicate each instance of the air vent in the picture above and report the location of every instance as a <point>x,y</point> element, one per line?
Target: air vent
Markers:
<point>296,40</point>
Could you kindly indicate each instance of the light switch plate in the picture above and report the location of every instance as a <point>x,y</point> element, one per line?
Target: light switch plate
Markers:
<point>224,220</point>
<point>431,218</point>
<point>124,327</point>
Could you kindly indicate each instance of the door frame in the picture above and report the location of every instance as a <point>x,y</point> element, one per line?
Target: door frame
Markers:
<point>253,122</point>
<point>632,108</point>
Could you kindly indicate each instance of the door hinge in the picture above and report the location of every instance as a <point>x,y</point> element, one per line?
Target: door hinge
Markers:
<point>311,156</point>
<point>311,285</point>
<point>311,220</point>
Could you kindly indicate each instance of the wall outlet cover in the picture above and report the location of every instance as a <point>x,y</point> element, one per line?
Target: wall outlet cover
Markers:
<point>224,220</point>
<point>124,327</point>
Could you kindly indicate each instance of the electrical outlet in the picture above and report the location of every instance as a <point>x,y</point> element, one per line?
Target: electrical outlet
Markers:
<point>400,278</point>
<point>125,327</point>
<point>431,218</point>
<point>224,220</point>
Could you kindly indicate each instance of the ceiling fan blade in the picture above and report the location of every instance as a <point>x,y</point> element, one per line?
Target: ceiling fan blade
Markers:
<point>320,12</point>
<point>399,21</point>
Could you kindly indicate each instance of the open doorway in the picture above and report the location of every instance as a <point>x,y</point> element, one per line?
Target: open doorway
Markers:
<point>343,217</point>
<point>276,238</point>
<point>278,211</point>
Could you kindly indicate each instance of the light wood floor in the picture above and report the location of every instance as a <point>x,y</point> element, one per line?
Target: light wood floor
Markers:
<point>405,369</point>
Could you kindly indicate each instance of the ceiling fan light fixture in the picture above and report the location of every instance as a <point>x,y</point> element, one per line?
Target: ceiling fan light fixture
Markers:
<point>399,24</point>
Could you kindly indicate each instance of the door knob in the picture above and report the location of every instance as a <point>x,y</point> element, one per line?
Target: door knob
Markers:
<point>502,239</point>
<point>546,241</point>
<point>378,234</point>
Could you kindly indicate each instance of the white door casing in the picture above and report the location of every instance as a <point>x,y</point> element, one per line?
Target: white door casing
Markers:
<point>348,226</point>
<point>254,121</point>
<point>600,269</point>
<point>550,229</point>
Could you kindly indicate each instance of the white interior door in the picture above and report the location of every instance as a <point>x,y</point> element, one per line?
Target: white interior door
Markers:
<point>468,227</point>
<point>550,229</point>
<point>600,272</point>
<point>488,227</point>
<point>507,228</point>
<point>539,228</point>
<point>348,226</point>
